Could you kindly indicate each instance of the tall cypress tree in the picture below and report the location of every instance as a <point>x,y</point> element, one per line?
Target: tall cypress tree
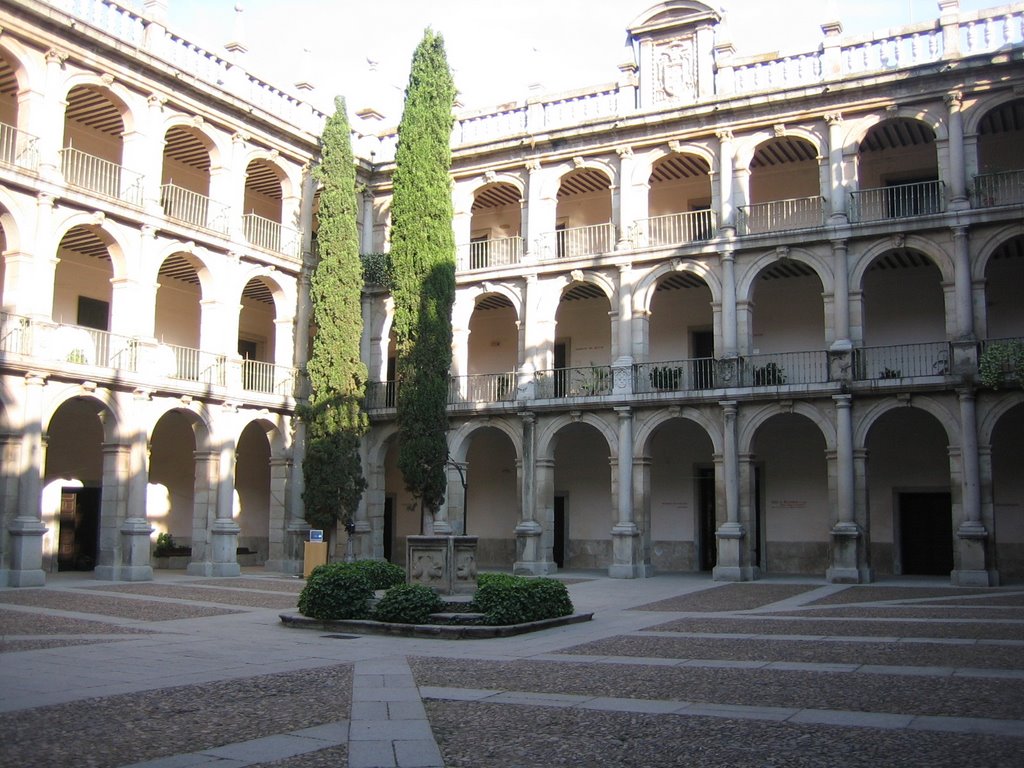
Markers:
<point>333,473</point>
<point>423,259</point>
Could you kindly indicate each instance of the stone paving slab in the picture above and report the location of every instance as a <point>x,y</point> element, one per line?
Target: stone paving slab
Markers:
<point>924,611</point>
<point>206,594</point>
<point>27,622</point>
<point>83,602</point>
<point>813,650</point>
<point>162,723</point>
<point>533,682</point>
<point>813,625</point>
<point>873,593</point>
<point>7,645</point>
<point>264,583</point>
<point>484,735</point>
<point>729,597</point>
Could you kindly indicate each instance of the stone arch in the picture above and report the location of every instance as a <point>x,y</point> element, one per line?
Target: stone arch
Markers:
<point>110,233</point>
<point>927,248</point>
<point>593,277</point>
<point>988,422</point>
<point>646,431</point>
<point>553,182</point>
<point>198,417</point>
<point>272,430</point>
<point>465,301</point>
<point>930,114</point>
<point>644,163</point>
<point>10,215</point>
<point>747,146</point>
<point>110,415</point>
<point>993,241</point>
<point>282,293</point>
<point>985,103</point>
<point>466,192</point>
<point>118,95</point>
<point>821,267</point>
<point>459,440</point>
<point>215,143</point>
<point>643,293</point>
<point>547,435</point>
<point>28,66</point>
<point>755,419</point>
<point>289,186</point>
<point>866,419</point>
<point>197,258</point>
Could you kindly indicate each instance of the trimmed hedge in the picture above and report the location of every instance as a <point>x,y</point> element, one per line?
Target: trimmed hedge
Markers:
<point>505,599</point>
<point>408,604</point>
<point>336,591</point>
<point>380,573</point>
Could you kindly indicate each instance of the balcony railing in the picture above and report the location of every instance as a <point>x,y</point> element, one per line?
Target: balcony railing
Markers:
<point>482,388</point>
<point>271,379</point>
<point>901,361</point>
<point>61,343</point>
<point>193,208</point>
<point>486,254</point>
<point>270,235</point>
<point>1003,188</point>
<point>590,381</point>
<point>18,149</point>
<point>189,364</point>
<point>101,177</point>
<point>380,395</point>
<point>899,201</point>
<point>676,228</point>
<point>578,241</point>
<point>781,215</point>
<point>676,375</point>
<point>778,368</point>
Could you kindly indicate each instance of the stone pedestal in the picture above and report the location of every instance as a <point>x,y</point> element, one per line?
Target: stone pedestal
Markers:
<point>224,546</point>
<point>627,554</point>
<point>530,560</point>
<point>295,534</point>
<point>847,543</point>
<point>135,548</point>
<point>732,559</point>
<point>971,538</point>
<point>26,553</point>
<point>446,564</point>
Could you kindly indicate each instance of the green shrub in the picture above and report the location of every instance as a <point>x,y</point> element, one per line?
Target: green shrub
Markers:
<point>517,599</point>
<point>408,604</point>
<point>336,591</point>
<point>380,573</point>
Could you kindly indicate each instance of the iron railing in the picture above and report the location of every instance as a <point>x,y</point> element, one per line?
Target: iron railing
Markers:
<point>898,201</point>
<point>193,208</point>
<point>901,361</point>
<point>1002,188</point>
<point>676,375</point>
<point>485,254</point>
<point>482,388</point>
<point>99,176</point>
<point>578,241</point>
<point>778,368</point>
<point>588,381</point>
<point>270,235</point>
<point>676,228</point>
<point>271,379</point>
<point>780,215</point>
<point>17,148</point>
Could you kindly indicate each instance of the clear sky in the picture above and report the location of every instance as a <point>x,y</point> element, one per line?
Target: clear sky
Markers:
<point>495,47</point>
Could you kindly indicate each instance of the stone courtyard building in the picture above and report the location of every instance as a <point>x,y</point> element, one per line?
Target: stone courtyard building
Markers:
<point>724,314</point>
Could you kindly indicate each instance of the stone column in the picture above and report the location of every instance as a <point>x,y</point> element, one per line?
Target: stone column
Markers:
<point>848,558</point>
<point>725,160</point>
<point>623,206</point>
<point>366,236</point>
<point>224,532</point>
<point>26,529</point>
<point>50,129</point>
<point>733,562</point>
<point>627,557</point>
<point>957,177</point>
<point>962,285</point>
<point>730,341</point>
<point>533,555</point>
<point>837,190</point>
<point>971,536</point>
<point>10,464</point>
<point>841,298</point>
<point>135,528</point>
<point>204,512</point>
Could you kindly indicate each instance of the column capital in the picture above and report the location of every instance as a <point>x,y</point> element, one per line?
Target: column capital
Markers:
<point>843,401</point>
<point>954,100</point>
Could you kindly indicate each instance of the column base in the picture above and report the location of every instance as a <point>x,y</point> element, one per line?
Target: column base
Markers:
<point>533,568</point>
<point>840,575</point>
<point>199,569</point>
<point>630,571</point>
<point>287,567</point>
<point>735,573</point>
<point>26,578</point>
<point>965,578</point>
<point>226,569</point>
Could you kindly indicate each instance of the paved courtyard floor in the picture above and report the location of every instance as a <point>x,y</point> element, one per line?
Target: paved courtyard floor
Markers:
<point>676,670</point>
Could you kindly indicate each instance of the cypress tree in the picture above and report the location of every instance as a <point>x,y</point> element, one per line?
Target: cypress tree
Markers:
<point>423,259</point>
<point>333,473</point>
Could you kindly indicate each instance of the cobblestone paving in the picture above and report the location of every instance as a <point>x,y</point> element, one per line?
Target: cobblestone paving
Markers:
<point>26,623</point>
<point>871,593</point>
<point>729,597</point>
<point>950,696</point>
<point>809,651</point>
<point>928,611</point>
<point>290,585</point>
<point>332,757</point>
<point>808,624</point>
<point>208,594</point>
<point>119,730</point>
<point>475,735</point>
<point>82,601</point>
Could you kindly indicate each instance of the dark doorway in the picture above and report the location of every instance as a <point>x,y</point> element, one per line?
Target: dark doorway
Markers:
<point>558,547</point>
<point>561,373</point>
<point>389,394</point>
<point>389,526</point>
<point>703,352</point>
<point>759,524</point>
<point>926,534</point>
<point>79,529</point>
<point>706,510</point>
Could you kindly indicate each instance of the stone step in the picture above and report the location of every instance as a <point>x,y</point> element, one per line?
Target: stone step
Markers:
<point>457,617</point>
